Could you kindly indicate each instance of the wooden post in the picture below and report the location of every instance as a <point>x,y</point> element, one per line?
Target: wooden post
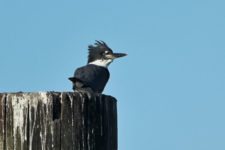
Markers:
<point>57,121</point>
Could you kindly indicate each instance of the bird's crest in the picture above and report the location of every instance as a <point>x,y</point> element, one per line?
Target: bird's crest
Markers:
<point>96,50</point>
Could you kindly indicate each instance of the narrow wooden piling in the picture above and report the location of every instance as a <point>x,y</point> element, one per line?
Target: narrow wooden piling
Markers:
<point>57,121</point>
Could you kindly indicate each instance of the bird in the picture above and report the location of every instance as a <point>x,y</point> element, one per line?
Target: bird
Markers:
<point>94,76</point>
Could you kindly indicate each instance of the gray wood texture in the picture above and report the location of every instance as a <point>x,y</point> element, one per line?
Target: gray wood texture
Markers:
<point>57,121</point>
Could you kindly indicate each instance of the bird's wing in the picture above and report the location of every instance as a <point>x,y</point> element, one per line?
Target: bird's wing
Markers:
<point>83,75</point>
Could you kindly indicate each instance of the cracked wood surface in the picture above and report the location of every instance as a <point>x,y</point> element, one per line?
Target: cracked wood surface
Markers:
<point>57,121</point>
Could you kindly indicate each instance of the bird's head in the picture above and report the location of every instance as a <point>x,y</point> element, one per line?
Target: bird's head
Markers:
<point>100,54</point>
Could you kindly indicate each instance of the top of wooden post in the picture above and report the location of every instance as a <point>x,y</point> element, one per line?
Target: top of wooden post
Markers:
<point>57,120</point>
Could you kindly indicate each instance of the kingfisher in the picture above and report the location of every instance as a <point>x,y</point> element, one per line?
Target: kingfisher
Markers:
<point>94,76</point>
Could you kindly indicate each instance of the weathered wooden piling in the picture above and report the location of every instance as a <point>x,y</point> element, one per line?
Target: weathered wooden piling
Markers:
<point>57,121</point>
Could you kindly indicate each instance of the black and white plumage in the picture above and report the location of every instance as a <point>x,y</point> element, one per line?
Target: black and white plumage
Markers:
<point>95,75</point>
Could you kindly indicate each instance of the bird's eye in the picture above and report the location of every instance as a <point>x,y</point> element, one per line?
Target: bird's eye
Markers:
<point>106,52</point>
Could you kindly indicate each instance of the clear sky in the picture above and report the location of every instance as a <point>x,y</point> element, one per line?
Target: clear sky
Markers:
<point>171,86</point>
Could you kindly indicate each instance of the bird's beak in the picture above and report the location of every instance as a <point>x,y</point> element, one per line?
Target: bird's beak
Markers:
<point>115,55</point>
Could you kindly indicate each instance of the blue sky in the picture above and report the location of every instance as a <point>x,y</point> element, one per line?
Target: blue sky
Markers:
<point>170,88</point>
